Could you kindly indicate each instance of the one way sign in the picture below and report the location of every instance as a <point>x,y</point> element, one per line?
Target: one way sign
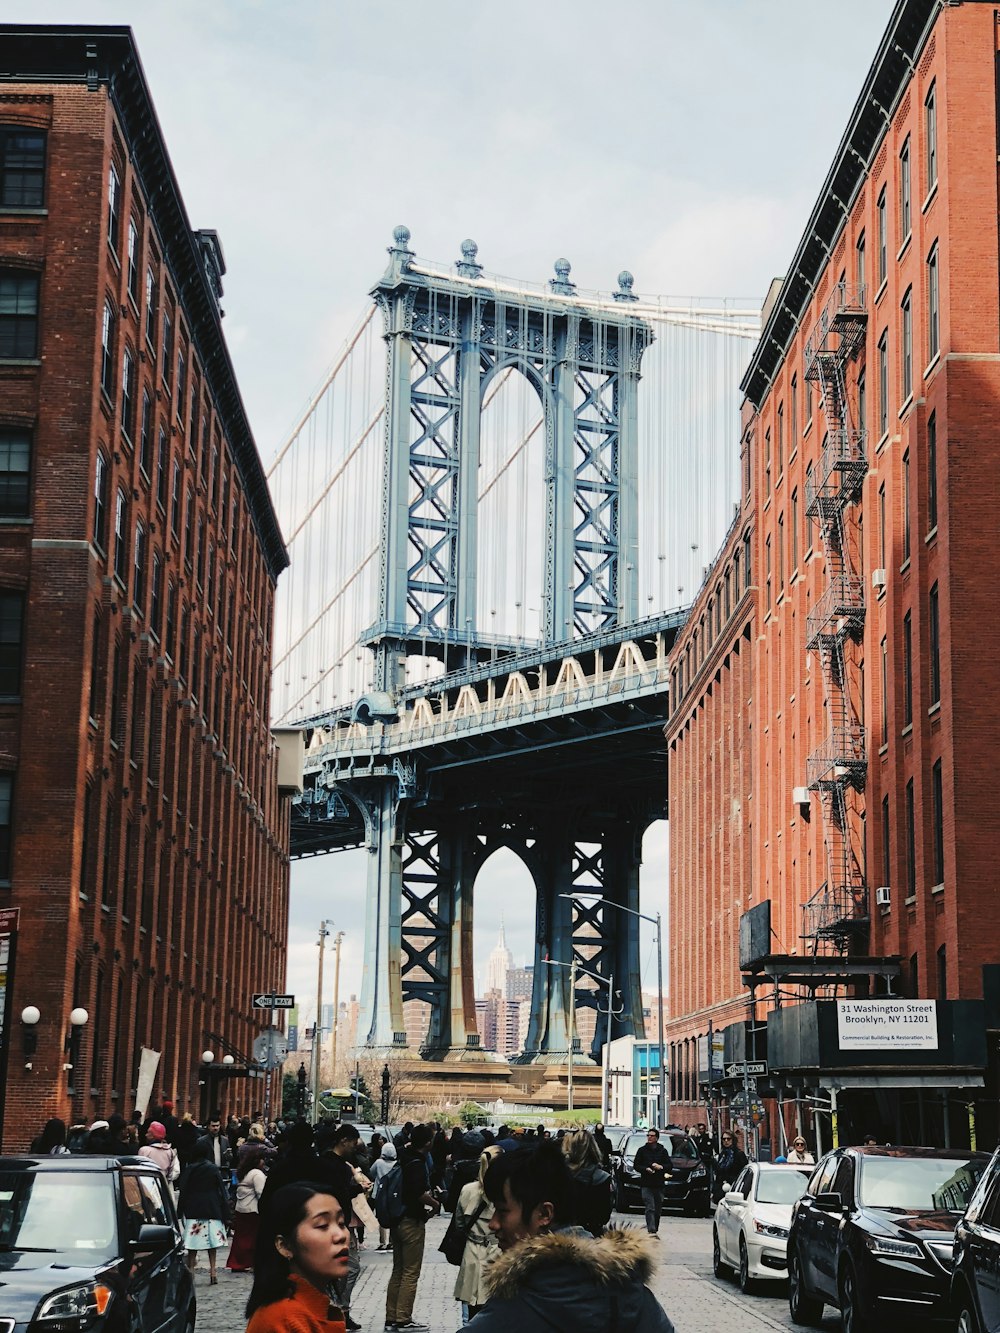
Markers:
<point>748,1069</point>
<point>269,1001</point>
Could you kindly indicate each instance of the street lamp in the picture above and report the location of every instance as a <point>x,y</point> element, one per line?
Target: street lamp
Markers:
<point>208,1057</point>
<point>611,1012</point>
<point>656,920</point>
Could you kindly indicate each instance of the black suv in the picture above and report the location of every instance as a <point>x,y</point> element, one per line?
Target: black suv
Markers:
<point>687,1185</point>
<point>90,1243</point>
<point>873,1233</point>
<point>975,1281</point>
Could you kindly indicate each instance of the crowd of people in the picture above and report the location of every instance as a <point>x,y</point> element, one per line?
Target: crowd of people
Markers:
<point>296,1206</point>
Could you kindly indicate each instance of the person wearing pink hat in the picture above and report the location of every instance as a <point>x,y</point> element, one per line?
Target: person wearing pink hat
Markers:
<point>158,1150</point>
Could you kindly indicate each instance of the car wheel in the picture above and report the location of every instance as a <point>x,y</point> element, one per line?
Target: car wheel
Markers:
<point>967,1321</point>
<point>804,1309</point>
<point>854,1317</point>
<point>746,1281</point>
<point>719,1267</point>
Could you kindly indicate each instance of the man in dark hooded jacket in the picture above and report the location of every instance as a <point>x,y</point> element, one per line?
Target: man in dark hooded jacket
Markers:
<point>551,1274</point>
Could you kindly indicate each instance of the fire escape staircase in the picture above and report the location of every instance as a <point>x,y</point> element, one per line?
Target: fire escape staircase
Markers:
<point>837,914</point>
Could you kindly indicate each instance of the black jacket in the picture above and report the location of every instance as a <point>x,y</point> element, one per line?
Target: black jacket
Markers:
<point>202,1195</point>
<point>225,1151</point>
<point>569,1280</point>
<point>592,1198</point>
<point>416,1183</point>
<point>644,1158</point>
<point>300,1165</point>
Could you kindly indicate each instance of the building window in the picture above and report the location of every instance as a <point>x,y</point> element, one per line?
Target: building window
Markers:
<point>170,635</point>
<point>95,670</point>
<point>767,574</point>
<point>747,568</point>
<point>885,692</point>
<point>18,316</point>
<point>146,435</point>
<point>209,576</point>
<point>116,693</point>
<point>935,644</point>
<point>22,167</point>
<point>883,239</point>
<point>200,554</point>
<point>907,670</point>
<point>883,384</point>
<point>101,502</point>
<point>794,397</point>
<point>121,538</point>
<point>133,261</point>
<point>781,438</point>
<point>175,499</point>
<point>108,351</point>
<point>937,817</point>
<point>859,266</point>
<point>906,506</point>
<point>181,383</point>
<point>162,458</point>
<point>128,393</point>
<point>139,586</point>
<point>194,424</point>
<point>767,461</point>
<point>932,477</point>
<point>781,553</point>
<point>114,207</point>
<point>881,526</point>
<point>904,192</point>
<point>6,810</point>
<point>794,519</point>
<point>168,347</point>
<point>809,403</point>
<point>942,972</point>
<point>930,136</point>
<point>907,348</point>
<point>189,530</point>
<point>15,471</point>
<point>911,843</point>
<point>11,624</point>
<point>862,406</point>
<point>151,310</point>
<point>886,869</point>
<point>933,305</point>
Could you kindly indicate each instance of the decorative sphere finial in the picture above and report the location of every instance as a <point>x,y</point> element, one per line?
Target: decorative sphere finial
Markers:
<point>469,250</point>
<point>561,283</point>
<point>401,235</point>
<point>562,268</point>
<point>625,283</point>
<point>467,266</point>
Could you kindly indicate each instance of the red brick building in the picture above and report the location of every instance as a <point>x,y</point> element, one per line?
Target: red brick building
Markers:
<point>142,835</point>
<point>851,745</point>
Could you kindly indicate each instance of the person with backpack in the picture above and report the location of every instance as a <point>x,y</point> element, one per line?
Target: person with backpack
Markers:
<point>381,1167</point>
<point>404,1204</point>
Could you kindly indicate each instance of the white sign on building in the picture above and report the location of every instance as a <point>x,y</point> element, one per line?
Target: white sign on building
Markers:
<point>896,1025</point>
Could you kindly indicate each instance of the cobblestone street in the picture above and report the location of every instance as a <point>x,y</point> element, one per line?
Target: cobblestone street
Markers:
<point>684,1284</point>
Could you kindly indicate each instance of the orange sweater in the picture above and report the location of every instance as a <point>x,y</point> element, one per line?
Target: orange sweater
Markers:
<point>308,1311</point>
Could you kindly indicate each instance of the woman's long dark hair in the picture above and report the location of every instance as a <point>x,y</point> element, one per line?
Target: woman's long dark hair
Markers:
<point>251,1160</point>
<point>285,1209</point>
<point>52,1136</point>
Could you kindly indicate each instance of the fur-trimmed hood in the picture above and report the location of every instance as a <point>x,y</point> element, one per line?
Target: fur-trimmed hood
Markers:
<point>568,1280</point>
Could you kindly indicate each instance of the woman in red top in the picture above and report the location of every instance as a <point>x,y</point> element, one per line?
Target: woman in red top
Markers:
<point>302,1247</point>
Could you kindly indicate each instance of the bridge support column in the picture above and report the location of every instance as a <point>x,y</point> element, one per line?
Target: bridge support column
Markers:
<point>380,1021</point>
<point>551,1028</point>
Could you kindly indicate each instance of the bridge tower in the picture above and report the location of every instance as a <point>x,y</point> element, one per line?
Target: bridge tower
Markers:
<point>448,335</point>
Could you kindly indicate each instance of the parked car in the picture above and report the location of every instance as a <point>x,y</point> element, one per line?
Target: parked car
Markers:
<point>975,1279</point>
<point>91,1243</point>
<point>750,1231</point>
<point>686,1188</point>
<point>873,1233</point>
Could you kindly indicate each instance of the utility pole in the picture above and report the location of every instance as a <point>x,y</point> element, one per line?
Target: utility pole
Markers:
<point>317,1056</point>
<point>663,1117</point>
<point>336,1005</point>
<point>572,1034</point>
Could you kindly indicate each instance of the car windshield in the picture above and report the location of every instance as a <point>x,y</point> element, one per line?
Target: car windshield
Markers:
<point>678,1146</point>
<point>782,1185</point>
<point>917,1184</point>
<point>58,1212</point>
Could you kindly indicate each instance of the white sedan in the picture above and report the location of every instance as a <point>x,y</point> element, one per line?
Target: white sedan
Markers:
<point>750,1233</point>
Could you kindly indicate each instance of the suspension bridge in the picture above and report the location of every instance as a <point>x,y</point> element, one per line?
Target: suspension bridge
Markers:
<point>498,504</point>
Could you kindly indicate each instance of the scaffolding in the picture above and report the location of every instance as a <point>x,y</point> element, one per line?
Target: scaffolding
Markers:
<point>836,916</point>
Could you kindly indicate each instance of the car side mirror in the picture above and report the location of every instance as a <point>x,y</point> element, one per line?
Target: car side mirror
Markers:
<point>828,1201</point>
<point>734,1196</point>
<point>154,1239</point>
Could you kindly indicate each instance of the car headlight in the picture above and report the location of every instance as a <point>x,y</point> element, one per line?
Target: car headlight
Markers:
<point>769,1229</point>
<point>697,1173</point>
<point>76,1305</point>
<point>894,1249</point>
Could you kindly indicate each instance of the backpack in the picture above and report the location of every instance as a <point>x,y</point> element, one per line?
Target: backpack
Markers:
<point>389,1206</point>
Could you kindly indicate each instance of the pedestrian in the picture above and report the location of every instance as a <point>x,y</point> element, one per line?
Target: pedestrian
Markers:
<point>604,1144</point>
<point>158,1150</point>
<point>551,1274</point>
<point>98,1142</point>
<point>345,1188</point>
<point>217,1143</point>
<point>703,1142</point>
<point>465,1167</point>
<point>52,1140</point>
<point>473,1213</point>
<point>255,1141</point>
<point>408,1233</point>
<point>799,1154</point>
<point>385,1162</point>
<point>184,1138</point>
<point>246,1214</point>
<point>204,1205</point>
<point>728,1165</point>
<point>591,1183</point>
<point>652,1161</point>
<point>302,1249</point>
<point>301,1162</point>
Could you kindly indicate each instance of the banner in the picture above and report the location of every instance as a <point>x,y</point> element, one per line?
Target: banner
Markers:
<point>149,1062</point>
<point>896,1025</point>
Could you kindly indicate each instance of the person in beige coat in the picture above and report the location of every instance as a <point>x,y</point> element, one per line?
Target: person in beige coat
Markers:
<point>472,1213</point>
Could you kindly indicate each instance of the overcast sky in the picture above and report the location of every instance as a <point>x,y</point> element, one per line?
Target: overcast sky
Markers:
<point>685,142</point>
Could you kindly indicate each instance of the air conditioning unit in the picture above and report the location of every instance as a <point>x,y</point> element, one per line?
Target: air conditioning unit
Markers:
<point>878,578</point>
<point>800,796</point>
<point>883,897</point>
